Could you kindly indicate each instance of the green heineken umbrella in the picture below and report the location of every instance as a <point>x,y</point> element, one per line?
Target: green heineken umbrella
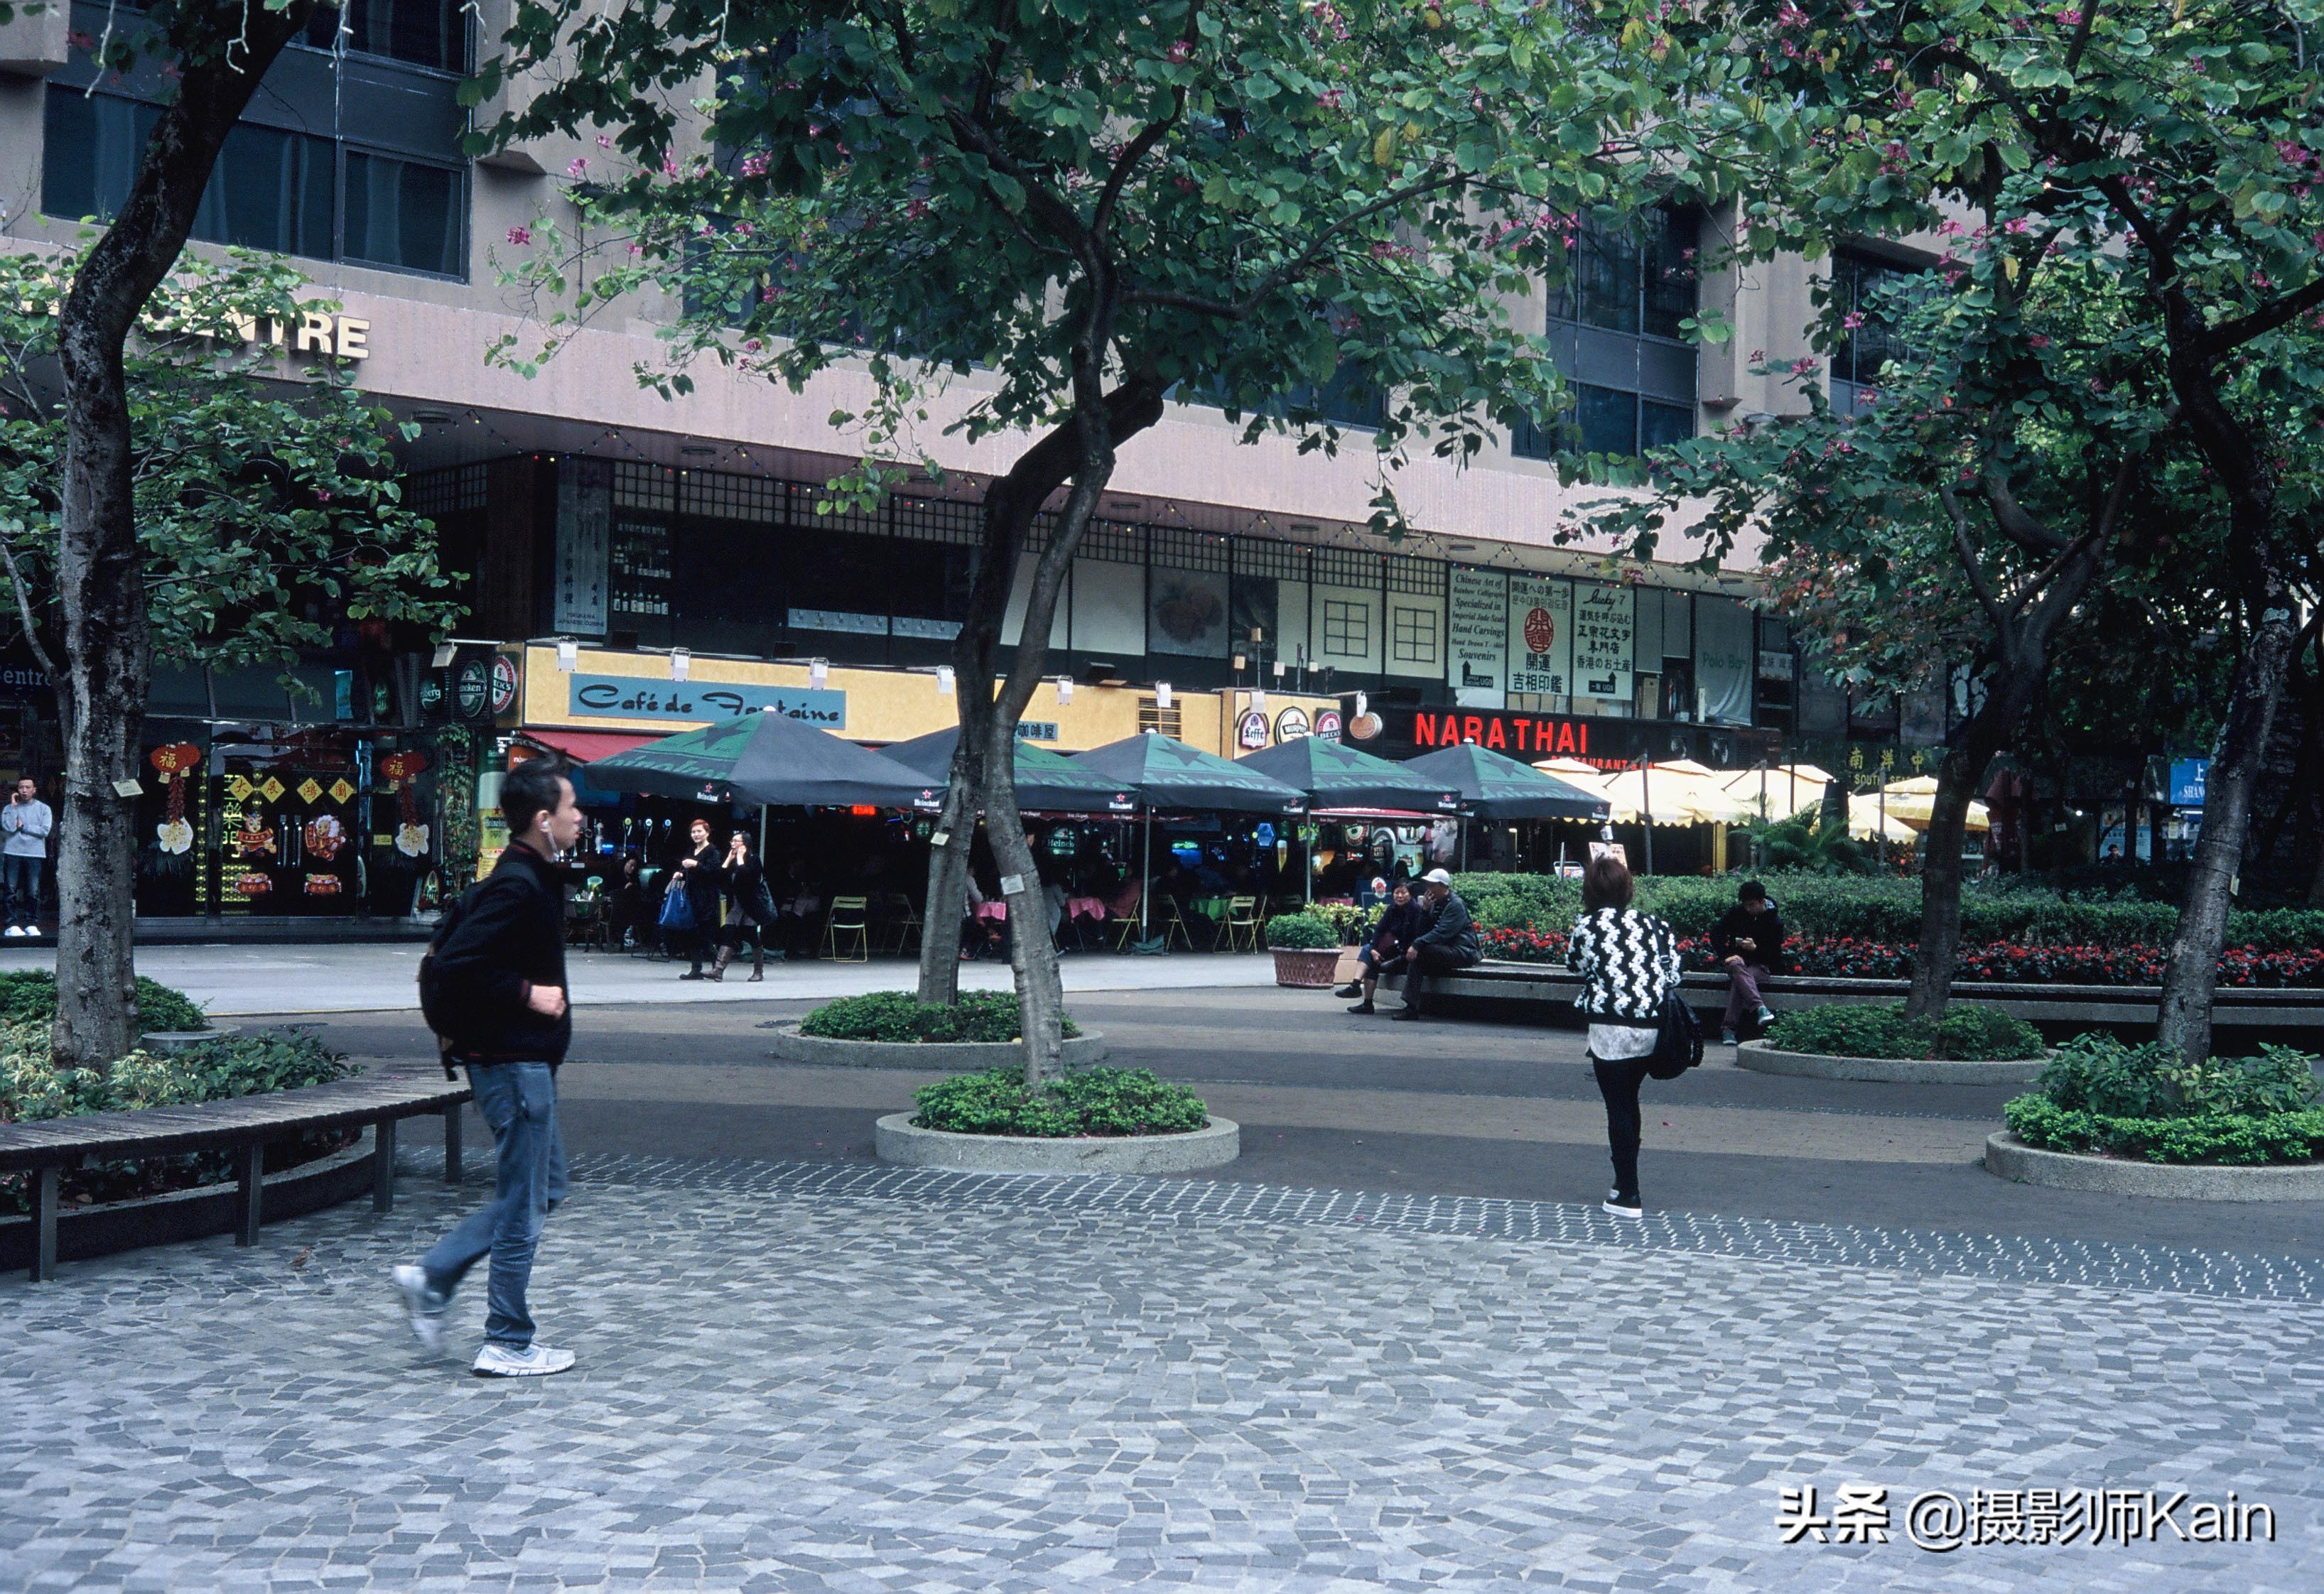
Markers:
<point>768,758</point>
<point>1045,780</point>
<point>1494,788</point>
<point>1335,776</point>
<point>1171,775</point>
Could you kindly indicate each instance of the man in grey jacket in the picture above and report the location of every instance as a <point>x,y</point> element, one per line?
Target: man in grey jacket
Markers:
<point>24,827</point>
<point>1449,943</point>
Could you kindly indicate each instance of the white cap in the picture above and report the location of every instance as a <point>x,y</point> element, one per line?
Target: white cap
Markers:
<point>1436,877</point>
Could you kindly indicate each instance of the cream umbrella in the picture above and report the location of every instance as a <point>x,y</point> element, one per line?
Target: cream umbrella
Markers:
<point>1674,795</point>
<point>1865,822</point>
<point>1791,788</point>
<point>1914,799</point>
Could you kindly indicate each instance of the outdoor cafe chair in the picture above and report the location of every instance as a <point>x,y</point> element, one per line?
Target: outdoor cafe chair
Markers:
<point>1240,928</point>
<point>850,919</point>
<point>904,921</point>
<point>1175,927</point>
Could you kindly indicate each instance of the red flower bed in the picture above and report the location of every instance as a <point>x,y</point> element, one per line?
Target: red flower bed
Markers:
<point>1852,958</point>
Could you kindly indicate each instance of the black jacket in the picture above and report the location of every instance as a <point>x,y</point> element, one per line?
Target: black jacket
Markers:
<point>1399,926</point>
<point>1451,929</point>
<point>705,883</point>
<point>746,888</point>
<point>511,939</point>
<point>1764,930</point>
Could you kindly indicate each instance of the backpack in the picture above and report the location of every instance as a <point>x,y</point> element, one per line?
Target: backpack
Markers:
<point>433,1007</point>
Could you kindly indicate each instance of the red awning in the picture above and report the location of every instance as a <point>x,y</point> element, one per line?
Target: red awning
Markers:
<point>586,747</point>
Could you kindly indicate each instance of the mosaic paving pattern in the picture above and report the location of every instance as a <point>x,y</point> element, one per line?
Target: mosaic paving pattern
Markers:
<point>871,1379</point>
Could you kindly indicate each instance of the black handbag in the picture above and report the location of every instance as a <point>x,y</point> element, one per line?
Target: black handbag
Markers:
<point>1678,1038</point>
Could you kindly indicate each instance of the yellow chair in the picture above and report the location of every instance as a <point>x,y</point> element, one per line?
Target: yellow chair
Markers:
<point>1175,926</point>
<point>1241,926</point>
<point>850,916</point>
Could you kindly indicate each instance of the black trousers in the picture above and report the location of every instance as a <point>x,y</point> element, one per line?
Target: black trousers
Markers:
<point>1433,960</point>
<point>1619,1082</point>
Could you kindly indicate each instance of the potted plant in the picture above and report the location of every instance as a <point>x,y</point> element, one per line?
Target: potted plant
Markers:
<point>1306,949</point>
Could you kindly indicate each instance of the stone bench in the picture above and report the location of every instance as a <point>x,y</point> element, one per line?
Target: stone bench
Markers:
<point>1510,988</point>
<point>244,1125</point>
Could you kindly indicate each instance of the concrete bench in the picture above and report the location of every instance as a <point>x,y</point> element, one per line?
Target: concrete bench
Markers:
<point>1537,990</point>
<point>244,1125</point>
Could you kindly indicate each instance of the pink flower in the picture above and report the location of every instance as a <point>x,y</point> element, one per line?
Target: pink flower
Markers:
<point>579,165</point>
<point>520,237</point>
<point>1852,320</point>
<point>2037,341</point>
<point>1181,50</point>
<point>1804,365</point>
<point>605,141</point>
<point>669,165</point>
<point>755,165</point>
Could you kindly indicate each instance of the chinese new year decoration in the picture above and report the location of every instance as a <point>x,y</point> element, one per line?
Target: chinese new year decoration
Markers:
<point>175,764</point>
<point>402,772</point>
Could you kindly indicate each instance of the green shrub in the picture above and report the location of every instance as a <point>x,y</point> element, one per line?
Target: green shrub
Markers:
<point>1976,1032</point>
<point>2212,1137</point>
<point>29,996</point>
<point>901,1017</point>
<point>1099,1101</point>
<point>242,1064</point>
<point>2098,1074</point>
<point>1301,932</point>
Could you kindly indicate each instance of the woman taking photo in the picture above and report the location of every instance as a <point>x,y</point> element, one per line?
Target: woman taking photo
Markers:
<point>754,909</point>
<point>1628,962</point>
<point>699,876</point>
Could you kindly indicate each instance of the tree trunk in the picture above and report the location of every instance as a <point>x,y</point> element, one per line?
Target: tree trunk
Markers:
<point>978,769</point>
<point>100,565</point>
<point>2183,1021</point>
<point>1962,771</point>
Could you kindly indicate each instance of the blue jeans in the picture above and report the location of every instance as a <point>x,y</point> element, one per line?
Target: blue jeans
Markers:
<point>21,882</point>
<point>518,1101</point>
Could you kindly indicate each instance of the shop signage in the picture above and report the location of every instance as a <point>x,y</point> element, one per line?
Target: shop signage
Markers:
<point>1250,733</point>
<point>584,542</point>
<point>1540,636</point>
<point>1605,635</point>
<point>471,689</point>
<point>2188,778</point>
<point>1036,730</point>
<point>839,619</point>
<point>630,697</point>
<point>1610,743</point>
<point>1476,635</point>
<point>1513,734</point>
<point>505,684</point>
<point>1327,724</point>
<point>1291,724</point>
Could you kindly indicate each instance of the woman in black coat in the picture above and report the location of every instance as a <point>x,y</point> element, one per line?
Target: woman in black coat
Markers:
<point>705,884</point>
<point>753,908</point>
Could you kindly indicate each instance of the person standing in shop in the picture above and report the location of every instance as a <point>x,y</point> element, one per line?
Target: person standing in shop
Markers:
<point>24,827</point>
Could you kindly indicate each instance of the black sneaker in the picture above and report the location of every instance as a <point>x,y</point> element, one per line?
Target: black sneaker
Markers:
<point>1352,988</point>
<point>1406,1011</point>
<point>1361,1006</point>
<point>1624,1204</point>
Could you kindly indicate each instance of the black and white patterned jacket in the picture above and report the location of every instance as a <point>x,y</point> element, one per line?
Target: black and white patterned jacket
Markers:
<point>1627,960</point>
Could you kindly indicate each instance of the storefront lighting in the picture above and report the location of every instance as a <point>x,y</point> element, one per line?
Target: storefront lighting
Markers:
<point>1065,690</point>
<point>1161,694</point>
<point>1258,701</point>
<point>569,657</point>
<point>681,664</point>
<point>944,679</point>
<point>1242,662</point>
<point>1362,705</point>
<point>818,675</point>
<point>1278,669</point>
<point>444,653</point>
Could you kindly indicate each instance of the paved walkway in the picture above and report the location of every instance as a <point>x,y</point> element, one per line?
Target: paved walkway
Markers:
<point>232,981</point>
<point>809,1378</point>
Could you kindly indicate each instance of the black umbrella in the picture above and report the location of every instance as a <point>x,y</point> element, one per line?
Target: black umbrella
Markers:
<point>770,758</point>
<point>1045,780</point>
<point>1497,788</point>
<point>1334,776</point>
<point>1172,775</point>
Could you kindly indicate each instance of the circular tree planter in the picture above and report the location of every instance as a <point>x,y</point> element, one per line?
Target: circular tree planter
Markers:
<point>2013,1159</point>
<point>1760,1057</point>
<point>1308,970</point>
<point>898,1142</point>
<point>947,1056</point>
<point>171,1041</point>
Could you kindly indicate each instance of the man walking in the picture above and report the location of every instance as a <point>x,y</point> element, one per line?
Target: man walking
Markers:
<point>24,823</point>
<point>1749,941</point>
<point>500,975</point>
<point>1449,943</point>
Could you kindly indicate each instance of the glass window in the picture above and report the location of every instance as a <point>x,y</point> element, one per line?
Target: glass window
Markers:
<point>1660,424</point>
<point>424,33</point>
<point>1606,419</point>
<point>403,214</point>
<point>270,191</point>
<point>1859,283</point>
<point>1638,278</point>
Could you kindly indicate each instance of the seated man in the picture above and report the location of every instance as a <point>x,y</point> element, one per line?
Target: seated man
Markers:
<point>1749,941</point>
<point>1448,942</point>
<point>1398,924</point>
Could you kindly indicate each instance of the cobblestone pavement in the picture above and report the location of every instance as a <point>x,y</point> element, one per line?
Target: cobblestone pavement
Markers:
<point>829,1377</point>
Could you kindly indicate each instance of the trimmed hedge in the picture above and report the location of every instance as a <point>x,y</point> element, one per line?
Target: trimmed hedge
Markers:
<point>1887,910</point>
<point>30,997</point>
<point>1301,932</point>
<point>1109,1102</point>
<point>1977,1034</point>
<point>900,1017</point>
<point>2102,1096</point>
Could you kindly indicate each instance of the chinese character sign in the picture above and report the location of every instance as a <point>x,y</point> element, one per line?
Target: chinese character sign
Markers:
<point>1541,636</point>
<point>1605,633</point>
<point>1476,657</point>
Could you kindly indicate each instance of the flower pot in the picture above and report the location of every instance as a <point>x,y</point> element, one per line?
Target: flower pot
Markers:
<point>1302,967</point>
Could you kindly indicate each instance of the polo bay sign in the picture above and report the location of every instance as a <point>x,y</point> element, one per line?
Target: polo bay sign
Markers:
<point>630,697</point>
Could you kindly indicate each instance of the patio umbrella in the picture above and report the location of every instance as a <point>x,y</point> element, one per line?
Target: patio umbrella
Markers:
<point>1789,789</point>
<point>1045,780</point>
<point>768,758</point>
<point>1865,821</point>
<point>1168,774</point>
<point>1497,788</point>
<point>1914,799</point>
<point>1334,776</point>
<point>1676,793</point>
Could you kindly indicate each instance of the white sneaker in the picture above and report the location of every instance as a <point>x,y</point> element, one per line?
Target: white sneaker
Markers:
<point>1624,1206</point>
<point>16,929</point>
<point>536,1361</point>
<point>425,1307</point>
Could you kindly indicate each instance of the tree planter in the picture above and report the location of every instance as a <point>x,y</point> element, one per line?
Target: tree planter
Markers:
<point>948,1056</point>
<point>1762,1058</point>
<point>1308,970</point>
<point>898,1142</point>
<point>2013,1159</point>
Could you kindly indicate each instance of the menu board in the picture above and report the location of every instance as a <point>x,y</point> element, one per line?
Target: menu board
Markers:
<point>1540,635</point>
<point>1605,633</point>
<point>1477,638</point>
